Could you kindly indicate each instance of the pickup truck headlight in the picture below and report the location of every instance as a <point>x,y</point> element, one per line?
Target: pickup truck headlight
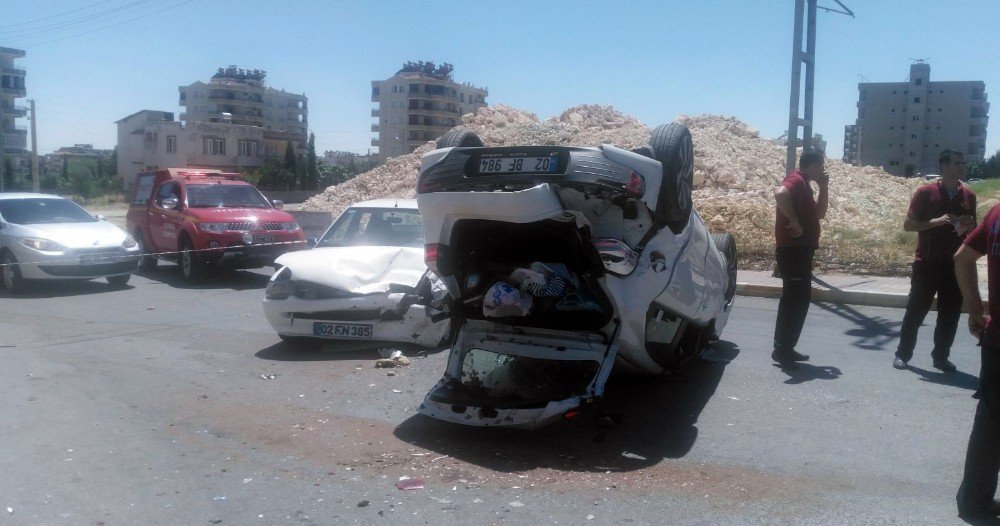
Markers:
<point>213,227</point>
<point>129,241</point>
<point>43,245</point>
<point>291,226</point>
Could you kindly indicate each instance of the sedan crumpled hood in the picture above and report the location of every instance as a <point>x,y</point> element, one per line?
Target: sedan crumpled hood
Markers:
<point>76,235</point>
<point>359,270</point>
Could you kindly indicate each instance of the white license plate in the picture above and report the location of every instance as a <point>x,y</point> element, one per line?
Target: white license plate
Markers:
<point>499,165</point>
<point>95,260</point>
<point>342,330</point>
<point>263,238</point>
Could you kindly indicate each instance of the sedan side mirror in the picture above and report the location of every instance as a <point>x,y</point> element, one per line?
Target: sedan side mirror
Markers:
<point>278,203</point>
<point>100,217</point>
<point>170,203</point>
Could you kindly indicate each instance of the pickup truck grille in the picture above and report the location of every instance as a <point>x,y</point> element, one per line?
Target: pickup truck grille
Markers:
<point>248,226</point>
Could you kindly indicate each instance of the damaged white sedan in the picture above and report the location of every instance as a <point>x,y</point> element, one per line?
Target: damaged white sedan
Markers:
<point>562,263</point>
<point>364,281</point>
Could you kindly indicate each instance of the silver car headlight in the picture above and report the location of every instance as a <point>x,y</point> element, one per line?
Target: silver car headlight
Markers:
<point>213,227</point>
<point>129,241</point>
<point>43,245</point>
<point>280,287</point>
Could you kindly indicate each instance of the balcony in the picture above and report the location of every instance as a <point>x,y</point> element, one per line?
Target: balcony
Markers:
<point>15,111</point>
<point>375,128</point>
<point>16,92</point>
<point>13,71</point>
<point>375,112</point>
<point>15,141</point>
<point>374,142</point>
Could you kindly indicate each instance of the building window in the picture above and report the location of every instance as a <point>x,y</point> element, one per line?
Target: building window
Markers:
<point>247,148</point>
<point>977,94</point>
<point>906,92</point>
<point>894,92</point>
<point>864,95</point>
<point>151,138</point>
<point>977,113</point>
<point>213,146</point>
<point>171,144</point>
<point>913,136</point>
<point>918,81</point>
<point>892,127</point>
<point>912,154</point>
<point>893,110</point>
<point>974,131</point>
<point>916,118</point>
<point>916,100</point>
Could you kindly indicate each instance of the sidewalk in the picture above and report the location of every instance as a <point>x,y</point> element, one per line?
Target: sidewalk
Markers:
<point>875,291</point>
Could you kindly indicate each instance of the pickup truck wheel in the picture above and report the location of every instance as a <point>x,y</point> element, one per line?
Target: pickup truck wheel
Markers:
<point>12,281</point>
<point>192,266</point>
<point>727,245</point>
<point>119,281</point>
<point>672,146</point>
<point>147,263</point>
<point>457,137</point>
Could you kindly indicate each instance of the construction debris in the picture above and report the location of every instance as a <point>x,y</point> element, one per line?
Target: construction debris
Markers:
<point>736,171</point>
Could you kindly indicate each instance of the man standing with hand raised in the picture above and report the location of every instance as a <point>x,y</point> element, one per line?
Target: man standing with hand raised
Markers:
<point>796,233</point>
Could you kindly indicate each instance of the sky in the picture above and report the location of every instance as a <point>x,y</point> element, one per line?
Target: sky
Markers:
<point>92,62</point>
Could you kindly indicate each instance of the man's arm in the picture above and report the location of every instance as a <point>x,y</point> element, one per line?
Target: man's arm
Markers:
<point>822,200</point>
<point>912,224</point>
<point>968,282</point>
<point>783,198</point>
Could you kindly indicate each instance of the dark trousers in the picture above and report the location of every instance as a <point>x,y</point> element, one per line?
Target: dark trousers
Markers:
<point>982,459</point>
<point>929,279</point>
<point>795,265</point>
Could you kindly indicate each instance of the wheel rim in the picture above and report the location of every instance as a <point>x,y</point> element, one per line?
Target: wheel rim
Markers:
<point>8,273</point>
<point>186,262</point>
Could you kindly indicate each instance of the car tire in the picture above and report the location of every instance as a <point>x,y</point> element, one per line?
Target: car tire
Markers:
<point>147,263</point>
<point>119,281</point>
<point>192,266</point>
<point>672,146</point>
<point>11,279</point>
<point>727,245</point>
<point>459,138</point>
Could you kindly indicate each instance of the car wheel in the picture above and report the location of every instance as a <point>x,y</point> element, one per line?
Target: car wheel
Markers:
<point>727,245</point>
<point>147,263</point>
<point>119,281</point>
<point>12,281</point>
<point>457,137</point>
<point>672,146</point>
<point>192,266</point>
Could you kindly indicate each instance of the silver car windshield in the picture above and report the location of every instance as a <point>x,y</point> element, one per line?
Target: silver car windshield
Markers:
<point>224,196</point>
<point>43,210</point>
<point>392,227</point>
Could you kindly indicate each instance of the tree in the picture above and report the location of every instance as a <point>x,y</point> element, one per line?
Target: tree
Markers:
<point>312,174</point>
<point>289,156</point>
<point>990,167</point>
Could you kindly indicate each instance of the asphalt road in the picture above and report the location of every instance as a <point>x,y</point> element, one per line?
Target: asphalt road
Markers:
<point>148,406</point>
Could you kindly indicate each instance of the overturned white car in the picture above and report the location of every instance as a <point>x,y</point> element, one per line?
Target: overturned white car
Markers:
<point>561,263</point>
<point>364,281</point>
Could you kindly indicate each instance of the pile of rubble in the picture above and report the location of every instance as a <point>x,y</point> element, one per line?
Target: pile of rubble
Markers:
<point>735,172</point>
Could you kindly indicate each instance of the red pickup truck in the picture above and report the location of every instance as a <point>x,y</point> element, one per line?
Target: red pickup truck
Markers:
<point>204,218</point>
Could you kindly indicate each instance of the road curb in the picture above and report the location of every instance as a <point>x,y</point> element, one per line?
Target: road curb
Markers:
<point>849,297</point>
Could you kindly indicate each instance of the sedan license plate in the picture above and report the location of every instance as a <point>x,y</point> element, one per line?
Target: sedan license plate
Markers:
<point>263,238</point>
<point>342,330</point>
<point>95,260</point>
<point>500,165</point>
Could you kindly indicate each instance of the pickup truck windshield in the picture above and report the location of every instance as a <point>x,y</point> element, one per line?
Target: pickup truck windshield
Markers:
<point>224,196</point>
<point>37,211</point>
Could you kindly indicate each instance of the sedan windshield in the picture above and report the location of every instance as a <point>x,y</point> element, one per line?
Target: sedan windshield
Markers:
<point>43,210</point>
<point>391,227</point>
<point>225,196</point>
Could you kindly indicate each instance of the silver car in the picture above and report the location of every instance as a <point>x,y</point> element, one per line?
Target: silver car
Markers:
<point>50,237</point>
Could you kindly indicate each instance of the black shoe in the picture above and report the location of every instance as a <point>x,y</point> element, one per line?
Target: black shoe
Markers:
<point>945,365</point>
<point>787,358</point>
<point>797,356</point>
<point>991,511</point>
<point>899,363</point>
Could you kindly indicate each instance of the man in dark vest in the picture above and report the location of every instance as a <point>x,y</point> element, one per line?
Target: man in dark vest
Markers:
<point>942,212</point>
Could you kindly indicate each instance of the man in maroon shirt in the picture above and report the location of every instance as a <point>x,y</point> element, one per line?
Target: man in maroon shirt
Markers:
<point>796,234</point>
<point>982,459</point>
<point>941,212</point>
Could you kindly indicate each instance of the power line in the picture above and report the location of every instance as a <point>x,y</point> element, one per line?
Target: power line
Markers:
<point>32,21</point>
<point>59,26</point>
<point>116,24</point>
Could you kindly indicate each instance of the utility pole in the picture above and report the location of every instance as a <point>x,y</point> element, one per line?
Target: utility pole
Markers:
<point>809,58</point>
<point>3,146</point>
<point>36,177</point>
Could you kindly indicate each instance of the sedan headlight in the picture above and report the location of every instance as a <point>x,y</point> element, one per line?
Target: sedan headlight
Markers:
<point>290,226</point>
<point>280,287</point>
<point>43,245</point>
<point>213,227</point>
<point>129,241</point>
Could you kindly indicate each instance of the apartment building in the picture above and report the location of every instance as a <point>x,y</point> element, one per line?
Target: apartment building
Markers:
<point>14,135</point>
<point>151,139</point>
<point>55,160</point>
<point>240,97</point>
<point>904,126</point>
<point>418,104</point>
